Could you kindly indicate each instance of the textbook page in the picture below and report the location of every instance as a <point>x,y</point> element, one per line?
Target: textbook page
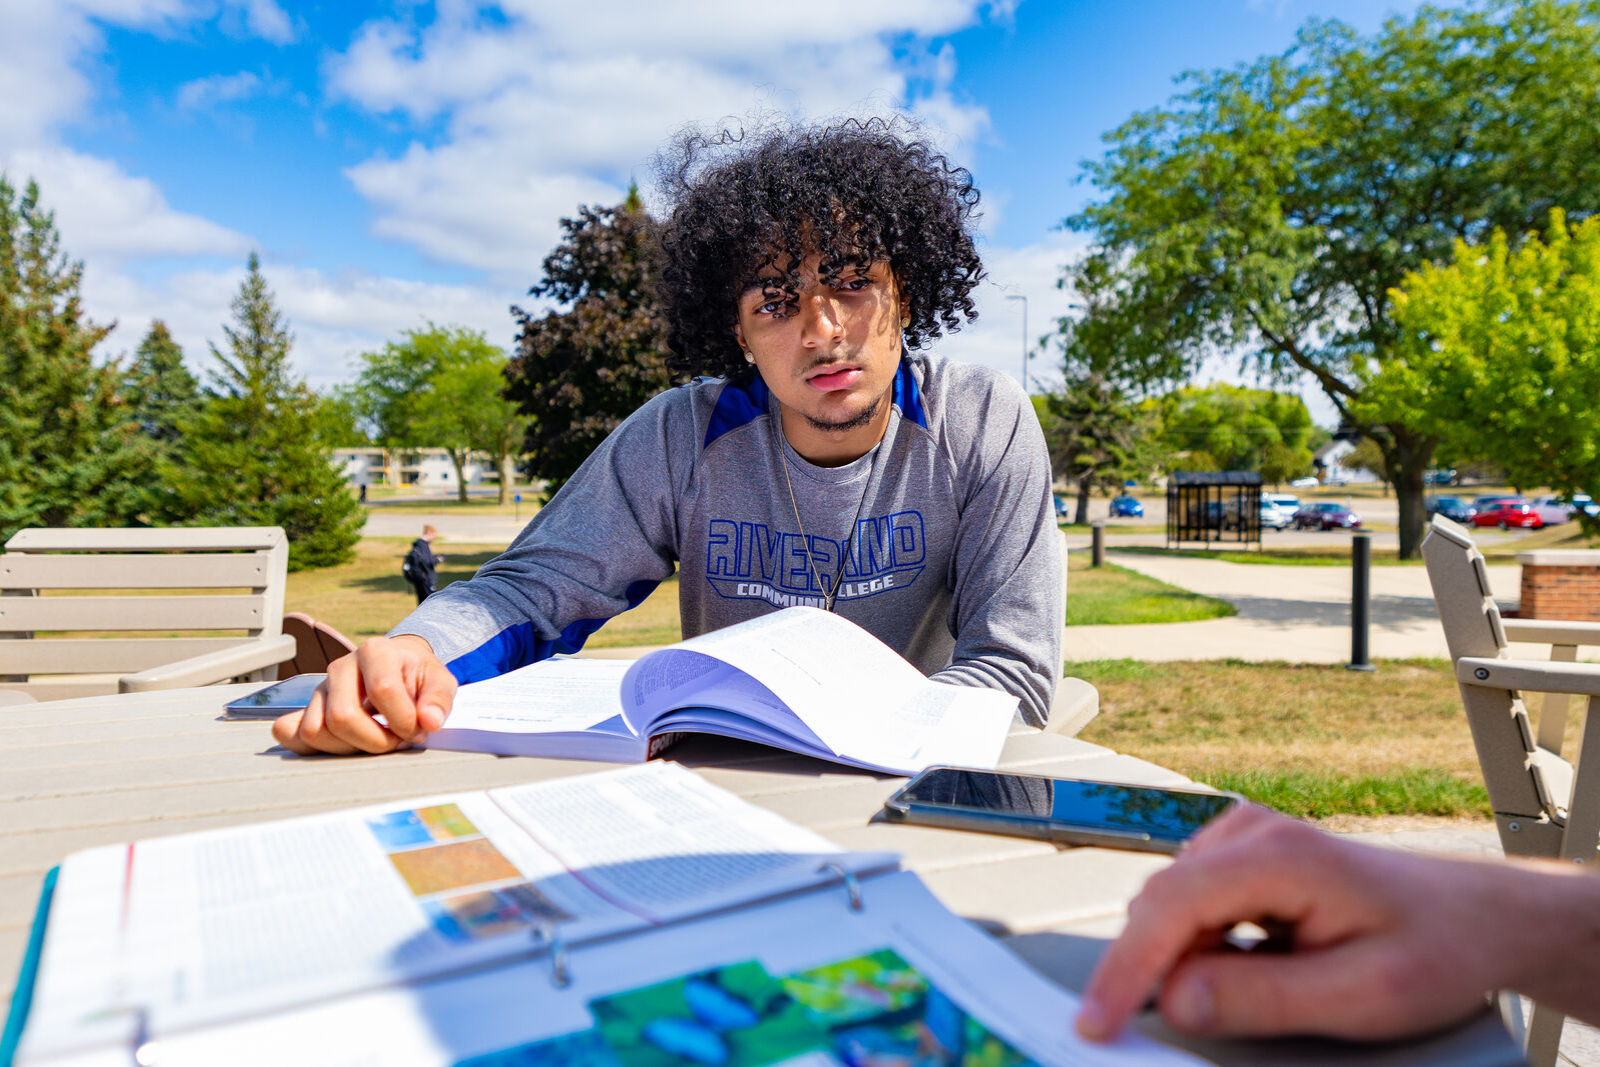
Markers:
<point>804,981</point>
<point>565,707</point>
<point>227,923</point>
<point>856,695</point>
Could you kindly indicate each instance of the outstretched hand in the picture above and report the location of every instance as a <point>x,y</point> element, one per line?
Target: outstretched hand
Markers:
<point>1385,943</point>
<point>397,677</point>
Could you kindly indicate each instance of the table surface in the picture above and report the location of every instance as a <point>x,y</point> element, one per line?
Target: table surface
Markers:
<point>79,773</point>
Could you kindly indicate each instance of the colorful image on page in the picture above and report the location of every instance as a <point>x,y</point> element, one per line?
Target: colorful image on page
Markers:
<point>582,1049</point>
<point>458,865</point>
<point>734,1016</point>
<point>488,912</point>
<point>879,1011</point>
<point>420,826</point>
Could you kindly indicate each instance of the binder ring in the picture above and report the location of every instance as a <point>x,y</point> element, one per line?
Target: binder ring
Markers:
<point>560,972</point>
<point>851,885</point>
<point>145,1050</point>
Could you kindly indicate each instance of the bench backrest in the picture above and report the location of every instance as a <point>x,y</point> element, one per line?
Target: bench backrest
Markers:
<point>76,581</point>
<point>1522,778</point>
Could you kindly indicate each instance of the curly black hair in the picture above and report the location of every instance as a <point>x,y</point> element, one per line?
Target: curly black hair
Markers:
<point>856,192</point>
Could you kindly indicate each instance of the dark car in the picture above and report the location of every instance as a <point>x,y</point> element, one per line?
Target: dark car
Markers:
<point>1509,511</point>
<point>1126,507</point>
<point>1453,508</point>
<point>1326,516</point>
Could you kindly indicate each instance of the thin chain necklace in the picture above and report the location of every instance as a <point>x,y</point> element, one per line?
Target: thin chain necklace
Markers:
<point>783,458</point>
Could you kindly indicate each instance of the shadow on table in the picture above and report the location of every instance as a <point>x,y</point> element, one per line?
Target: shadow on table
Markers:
<point>1067,960</point>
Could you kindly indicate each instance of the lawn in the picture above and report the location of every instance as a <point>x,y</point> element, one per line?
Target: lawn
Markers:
<point>367,596</point>
<point>1112,594</point>
<point>1312,740</point>
<point>1337,553</point>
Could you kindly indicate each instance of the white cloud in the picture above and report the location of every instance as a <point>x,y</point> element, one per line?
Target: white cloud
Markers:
<point>266,20</point>
<point>996,339</point>
<point>218,89</point>
<point>541,114</point>
<point>104,213</point>
<point>333,318</point>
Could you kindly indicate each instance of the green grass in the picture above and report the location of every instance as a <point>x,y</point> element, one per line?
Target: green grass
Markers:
<point>1112,594</point>
<point>1310,739</point>
<point>1335,555</point>
<point>1421,791</point>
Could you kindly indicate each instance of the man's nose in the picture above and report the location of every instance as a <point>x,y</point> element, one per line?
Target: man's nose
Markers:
<point>820,319</point>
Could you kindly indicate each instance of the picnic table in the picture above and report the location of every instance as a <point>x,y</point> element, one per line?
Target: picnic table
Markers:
<point>101,770</point>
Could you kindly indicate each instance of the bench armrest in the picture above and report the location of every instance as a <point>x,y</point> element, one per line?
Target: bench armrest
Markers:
<point>1552,631</point>
<point>212,667</point>
<point>1533,675</point>
<point>1075,704</point>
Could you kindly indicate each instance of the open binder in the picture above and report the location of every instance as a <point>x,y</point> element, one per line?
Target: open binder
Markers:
<point>633,918</point>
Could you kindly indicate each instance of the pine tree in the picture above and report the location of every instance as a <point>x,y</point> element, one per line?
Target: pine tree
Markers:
<point>580,372</point>
<point>160,389</point>
<point>161,395</point>
<point>70,453</point>
<point>252,452</point>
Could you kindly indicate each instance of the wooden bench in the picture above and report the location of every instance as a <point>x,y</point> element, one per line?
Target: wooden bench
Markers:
<point>206,578</point>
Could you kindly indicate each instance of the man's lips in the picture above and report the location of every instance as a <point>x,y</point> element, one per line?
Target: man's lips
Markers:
<point>832,380</point>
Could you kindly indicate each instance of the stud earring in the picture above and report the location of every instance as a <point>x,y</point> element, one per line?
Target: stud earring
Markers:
<point>748,358</point>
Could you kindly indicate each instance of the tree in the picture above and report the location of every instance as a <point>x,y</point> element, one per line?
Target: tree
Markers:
<point>160,390</point>
<point>1096,427</point>
<point>1498,355</point>
<point>1367,456</point>
<point>1270,209</point>
<point>581,371</point>
<point>253,456</point>
<point>339,419</point>
<point>71,453</point>
<point>1231,427</point>
<point>443,387</point>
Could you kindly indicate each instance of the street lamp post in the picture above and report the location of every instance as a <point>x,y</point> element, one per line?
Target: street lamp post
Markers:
<point>1024,299</point>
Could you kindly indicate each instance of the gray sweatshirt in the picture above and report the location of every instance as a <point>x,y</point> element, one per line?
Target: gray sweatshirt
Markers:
<point>955,562</point>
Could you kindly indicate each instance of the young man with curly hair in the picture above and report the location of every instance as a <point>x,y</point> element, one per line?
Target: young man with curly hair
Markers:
<point>817,457</point>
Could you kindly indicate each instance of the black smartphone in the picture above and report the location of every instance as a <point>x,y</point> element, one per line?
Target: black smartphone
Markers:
<point>291,694</point>
<point>1068,811</point>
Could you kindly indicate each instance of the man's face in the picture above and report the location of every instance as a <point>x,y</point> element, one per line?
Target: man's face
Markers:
<point>830,358</point>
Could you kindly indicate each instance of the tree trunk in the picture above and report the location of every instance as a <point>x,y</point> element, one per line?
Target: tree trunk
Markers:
<point>1408,462</point>
<point>1082,516</point>
<point>503,461</point>
<point>459,459</point>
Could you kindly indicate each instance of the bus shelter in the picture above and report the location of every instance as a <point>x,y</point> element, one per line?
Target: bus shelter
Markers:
<point>1214,506</point>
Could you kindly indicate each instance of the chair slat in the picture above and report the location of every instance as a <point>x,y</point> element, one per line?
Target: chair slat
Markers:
<point>175,571</point>
<point>146,539</point>
<point>21,614</point>
<point>87,655</point>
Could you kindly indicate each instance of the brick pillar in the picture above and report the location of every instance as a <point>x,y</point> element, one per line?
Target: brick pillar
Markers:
<point>1560,584</point>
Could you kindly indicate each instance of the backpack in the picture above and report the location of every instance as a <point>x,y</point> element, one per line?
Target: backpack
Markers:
<point>405,568</point>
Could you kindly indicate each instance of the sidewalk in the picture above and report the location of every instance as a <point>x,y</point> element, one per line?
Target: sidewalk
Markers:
<point>1296,614</point>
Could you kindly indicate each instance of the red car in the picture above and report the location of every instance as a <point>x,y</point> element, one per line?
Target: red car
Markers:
<point>1509,511</point>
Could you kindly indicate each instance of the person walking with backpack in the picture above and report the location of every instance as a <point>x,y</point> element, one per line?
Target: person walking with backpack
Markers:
<point>420,563</point>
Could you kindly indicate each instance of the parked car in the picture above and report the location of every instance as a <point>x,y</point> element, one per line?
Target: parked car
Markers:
<point>1440,477</point>
<point>1308,482</point>
<point>1326,516</point>
<point>1276,515</point>
<point>1585,503</point>
<point>1126,507</point>
<point>1554,510</point>
<point>1480,503</point>
<point>1454,508</point>
<point>1508,511</point>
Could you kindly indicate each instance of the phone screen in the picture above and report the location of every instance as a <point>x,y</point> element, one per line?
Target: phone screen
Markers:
<point>287,695</point>
<point>1167,814</point>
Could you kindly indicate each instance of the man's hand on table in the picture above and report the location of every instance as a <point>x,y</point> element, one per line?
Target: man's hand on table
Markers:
<point>1386,943</point>
<point>397,677</point>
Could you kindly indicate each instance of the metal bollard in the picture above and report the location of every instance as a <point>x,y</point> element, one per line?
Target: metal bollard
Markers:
<point>1360,601</point>
<point>1097,537</point>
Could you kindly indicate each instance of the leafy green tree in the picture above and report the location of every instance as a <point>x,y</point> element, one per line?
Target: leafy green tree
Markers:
<point>162,395</point>
<point>253,455</point>
<point>71,453</point>
<point>443,387</point>
<point>1367,456</point>
<point>1498,354</point>
<point>1231,427</point>
<point>581,371</point>
<point>1271,208</point>
<point>339,420</point>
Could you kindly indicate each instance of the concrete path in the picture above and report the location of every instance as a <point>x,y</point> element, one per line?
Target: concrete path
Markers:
<point>1295,614</point>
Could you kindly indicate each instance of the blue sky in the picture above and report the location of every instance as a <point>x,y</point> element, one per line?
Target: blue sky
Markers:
<point>398,163</point>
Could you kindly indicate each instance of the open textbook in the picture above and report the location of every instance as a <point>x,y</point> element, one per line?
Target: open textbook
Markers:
<point>635,918</point>
<point>801,679</point>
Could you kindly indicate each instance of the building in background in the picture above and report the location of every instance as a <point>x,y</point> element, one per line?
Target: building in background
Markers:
<point>425,468</point>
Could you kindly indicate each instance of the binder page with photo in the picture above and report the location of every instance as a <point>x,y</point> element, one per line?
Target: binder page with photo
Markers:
<point>174,933</point>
